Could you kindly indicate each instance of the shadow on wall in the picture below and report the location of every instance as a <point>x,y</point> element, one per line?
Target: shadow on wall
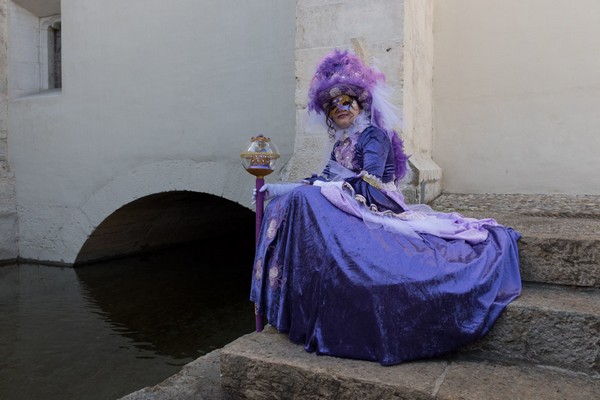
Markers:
<point>165,220</point>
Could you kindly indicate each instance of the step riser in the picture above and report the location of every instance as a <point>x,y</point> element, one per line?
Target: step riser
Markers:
<point>267,365</point>
<point>543,336</point>
<point>560,261</point>
<point>258,379</point>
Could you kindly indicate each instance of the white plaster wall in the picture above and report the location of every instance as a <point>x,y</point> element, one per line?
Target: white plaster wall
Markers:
<point>156,96</point>
<point>41,8</point>
<point>517,95</point>
<point>24,66</point>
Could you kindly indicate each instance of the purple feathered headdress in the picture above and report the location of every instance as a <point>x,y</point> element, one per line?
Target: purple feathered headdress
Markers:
<point>342,72</point>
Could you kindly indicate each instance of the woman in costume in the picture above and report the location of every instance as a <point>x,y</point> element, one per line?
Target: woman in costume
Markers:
<point>346,268</point>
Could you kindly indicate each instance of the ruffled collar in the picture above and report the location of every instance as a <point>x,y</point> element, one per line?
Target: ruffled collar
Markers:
<point>361,122</point>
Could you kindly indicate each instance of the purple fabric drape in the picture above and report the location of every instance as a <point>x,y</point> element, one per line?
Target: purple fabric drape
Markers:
<point>340,289</point>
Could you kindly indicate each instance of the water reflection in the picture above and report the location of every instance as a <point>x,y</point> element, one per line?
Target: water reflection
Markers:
<point>102,331</point>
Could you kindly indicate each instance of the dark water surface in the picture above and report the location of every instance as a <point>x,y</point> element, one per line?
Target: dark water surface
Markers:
<point>102,331</point>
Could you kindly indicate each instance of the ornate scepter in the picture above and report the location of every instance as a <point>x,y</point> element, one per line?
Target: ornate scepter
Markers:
<point>259,158</point>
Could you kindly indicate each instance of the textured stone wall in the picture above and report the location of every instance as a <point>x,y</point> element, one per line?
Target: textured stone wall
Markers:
<point>418,97</point>
<point>322,26</point>
<point>384,26</point>
<point>8,213</point>
<point>3,80</point>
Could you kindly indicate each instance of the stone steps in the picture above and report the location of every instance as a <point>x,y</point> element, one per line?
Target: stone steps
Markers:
<point>267,365</point>
<point>558,250</point>
<point>546,345</point>
<point>548,325</point>
<point>560,241</point>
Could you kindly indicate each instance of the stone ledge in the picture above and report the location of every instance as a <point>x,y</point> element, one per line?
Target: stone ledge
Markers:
<point>522,204</point>
<point>560,241</point>
<point>267,365</point>
<point>547,324</point>
<point>556,250</point>
<point>198,380</point>
<point>560,261</point>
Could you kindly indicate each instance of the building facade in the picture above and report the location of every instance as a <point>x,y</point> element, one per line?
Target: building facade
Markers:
<point>106,104</point>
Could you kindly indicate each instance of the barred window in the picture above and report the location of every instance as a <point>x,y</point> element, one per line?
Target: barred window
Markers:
<point>50,52</point>
<point>54,58</point>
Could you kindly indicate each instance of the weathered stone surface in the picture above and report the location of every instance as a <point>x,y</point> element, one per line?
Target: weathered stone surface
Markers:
<point>522,204</point>
<point>198,380</point>
<point>267,365</point>
<point>484,380</point>
<point>8,215</point>
<point>560,241</point>
<point>563,261</point>
<point>548,325</point>
<point>8,237</point>
<point>333,23</point>
<point>295,373</point>
<point>560,250</point>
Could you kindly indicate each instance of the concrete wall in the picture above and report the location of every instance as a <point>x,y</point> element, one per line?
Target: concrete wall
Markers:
<point>156,97</point>
<point>517,95</point>
<point>8,210</point>
<point>24,49</point>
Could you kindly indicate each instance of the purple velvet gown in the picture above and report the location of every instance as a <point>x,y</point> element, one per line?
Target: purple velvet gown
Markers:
<point>361,280</point>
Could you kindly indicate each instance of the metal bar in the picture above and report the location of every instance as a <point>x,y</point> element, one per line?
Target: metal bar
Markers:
<point>260,200</point>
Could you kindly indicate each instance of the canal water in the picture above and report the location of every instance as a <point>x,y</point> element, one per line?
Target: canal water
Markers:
<point>104,330</point>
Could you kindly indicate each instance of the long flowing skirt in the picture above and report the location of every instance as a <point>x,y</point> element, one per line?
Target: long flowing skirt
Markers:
<point>342,289</point>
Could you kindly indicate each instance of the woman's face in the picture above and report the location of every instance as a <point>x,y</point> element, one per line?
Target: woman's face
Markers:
<point>344,110</point>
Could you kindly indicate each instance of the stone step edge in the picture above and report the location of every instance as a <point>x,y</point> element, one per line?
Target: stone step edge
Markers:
<point>268,365</point>
<point>556,250</point>
<point>547,324</point>
<point>199,379</point>
<point>539,205</point>
<point>560,261</point>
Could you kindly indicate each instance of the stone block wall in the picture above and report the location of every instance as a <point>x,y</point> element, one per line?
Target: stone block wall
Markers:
<point>324,25</point>
<point>8,208</point>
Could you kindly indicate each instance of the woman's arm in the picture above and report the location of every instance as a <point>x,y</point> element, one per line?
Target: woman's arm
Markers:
<point>375,147</point>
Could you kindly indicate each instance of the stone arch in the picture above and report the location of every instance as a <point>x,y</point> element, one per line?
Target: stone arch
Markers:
<point>165,181</point>
<point>169,219</point>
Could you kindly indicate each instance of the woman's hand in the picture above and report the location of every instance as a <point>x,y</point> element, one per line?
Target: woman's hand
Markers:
<point>274,189</point>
